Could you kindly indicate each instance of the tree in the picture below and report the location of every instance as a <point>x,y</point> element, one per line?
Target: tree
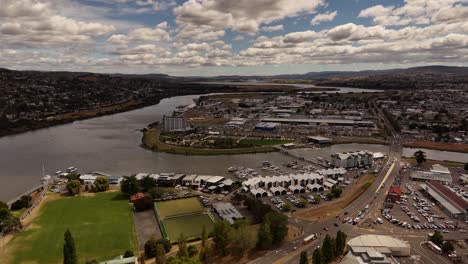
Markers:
<point>192,250</point>
<point>129,185</point>
<point>340,243</point>
<point>278,226</point>
<point>317,256</point>
<point>147,182</point>
<point>204,236</point>
<point>69,250</point>
<point>73,187</point>
<point>166,243</point>
<point>23,202</point>
<point>160,254</point>
<point>221,236</point>
<point>182,243</point>
<point>128,253</point>
<point>237,198</point>
<point>265,239</point>
<point>101,184</point>
<point>317,198</point>
<point>286,207</point>
<point>243,237</point>
<point>437,238</point>
<point>144,203</point>
<point>330,195</point>
<point>150,247</point>
<point>447,247</point>
<point>420,157</point>
<point>156,192</point>
<point>337,192</point>
<point>304,259</point>
<point>328,249</point>
<point>303,202</point>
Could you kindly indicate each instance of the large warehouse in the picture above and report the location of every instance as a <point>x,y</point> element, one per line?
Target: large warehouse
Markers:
<point>375,249</point>
<point>317,122</point>
<point>453,204</point>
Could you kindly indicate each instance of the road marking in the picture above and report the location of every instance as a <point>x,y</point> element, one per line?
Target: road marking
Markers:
<point>386,177</point>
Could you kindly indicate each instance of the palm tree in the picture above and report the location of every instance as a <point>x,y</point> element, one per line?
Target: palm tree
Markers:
<point>420,157</point>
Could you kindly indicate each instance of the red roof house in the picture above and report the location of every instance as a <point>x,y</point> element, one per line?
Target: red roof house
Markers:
<point>136,196</point>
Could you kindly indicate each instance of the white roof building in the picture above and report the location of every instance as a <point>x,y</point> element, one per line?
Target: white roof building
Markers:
<point>375,249</point>
<point>437,168</point>
<point>227,212</point>
<point>140,176</point>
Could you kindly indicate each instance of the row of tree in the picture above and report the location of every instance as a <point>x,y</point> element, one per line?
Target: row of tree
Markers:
<point>273,225</point>
<point>438,239</point>
<point>328,252</point>
<point>8,222</point>
<point>130,185</point>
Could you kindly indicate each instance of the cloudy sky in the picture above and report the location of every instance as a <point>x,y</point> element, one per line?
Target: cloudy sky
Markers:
<point>217,37</point>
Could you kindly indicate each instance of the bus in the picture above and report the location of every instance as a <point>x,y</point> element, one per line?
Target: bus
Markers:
<point>434,247</point>
<point>309,238</point>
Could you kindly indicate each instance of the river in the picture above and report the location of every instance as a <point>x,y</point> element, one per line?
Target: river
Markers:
<point>438,154</point>
<point>298,85</point>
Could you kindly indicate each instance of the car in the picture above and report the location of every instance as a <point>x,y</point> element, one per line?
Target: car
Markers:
<point>335,224</point>
<point>325,228</point>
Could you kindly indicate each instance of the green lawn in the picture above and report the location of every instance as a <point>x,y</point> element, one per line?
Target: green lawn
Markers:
<point>102,226</point>
<point>191,226</point>
<point>262,142</point>
<point>180,206</point>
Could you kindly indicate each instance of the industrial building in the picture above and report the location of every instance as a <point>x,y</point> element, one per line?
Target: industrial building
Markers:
<point>319,140</point>
<point>173,124</point>
<point>227,211</point>
<point>436,173</point>
<point>352,159</point>
<point>266,126</point>
<point>451,203</point>
<point>317,122</point>
<point>375,249</point>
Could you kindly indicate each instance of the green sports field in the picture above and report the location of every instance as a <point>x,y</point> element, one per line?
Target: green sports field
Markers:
<point>181,206</point>
<point>102,226</point>
<point>187,216</point>
<point>190,225</point>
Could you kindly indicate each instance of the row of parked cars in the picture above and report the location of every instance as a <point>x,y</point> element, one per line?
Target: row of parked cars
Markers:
<point>204,201</point>
<point>278,202</point>
<point>295,201</point>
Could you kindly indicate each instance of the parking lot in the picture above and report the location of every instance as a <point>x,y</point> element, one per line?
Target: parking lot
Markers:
<point>416,211</point>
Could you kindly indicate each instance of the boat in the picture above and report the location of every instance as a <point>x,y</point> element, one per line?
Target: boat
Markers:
<point>232,169</point>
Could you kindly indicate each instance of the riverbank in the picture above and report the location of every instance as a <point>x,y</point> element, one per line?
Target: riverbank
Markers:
<point>151,140</point>
<point>462,148</point>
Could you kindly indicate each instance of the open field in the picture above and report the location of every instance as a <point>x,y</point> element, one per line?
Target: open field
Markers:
<point>102,227</point>
<point>151,141</point>
<point>331,209</point>
<point>177,207</point>
<point>189,225</point>
<point>439,146</point>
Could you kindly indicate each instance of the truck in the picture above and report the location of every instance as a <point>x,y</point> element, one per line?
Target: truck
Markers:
<point>310,238</point>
